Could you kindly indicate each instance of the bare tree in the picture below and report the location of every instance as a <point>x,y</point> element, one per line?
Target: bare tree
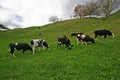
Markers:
<point>92,7</point>
<point>79,10</point>
<point>96,7</point>
<point>107,6</point>
<point>53,19</point>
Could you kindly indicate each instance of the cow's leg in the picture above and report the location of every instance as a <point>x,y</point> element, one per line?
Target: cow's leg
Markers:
<point>13,55</point>
<point>77,41</point>
<point>59,44</point>
<point>33,47</point>
<point>12,52</point>
<point>43,48</point>
<point>24,50</point>
<point>113,36</point>
<point>105,36</point>
<point>86,43</point>
<point>39,48</point>
<point>96,36</point>
<point>82,43</point>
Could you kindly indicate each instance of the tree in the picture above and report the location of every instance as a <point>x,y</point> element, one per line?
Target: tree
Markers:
<point>92,8</point>
<point>53,19</point>
<point>107,6</point>
<point>89,8</point>
<point>80,11</point>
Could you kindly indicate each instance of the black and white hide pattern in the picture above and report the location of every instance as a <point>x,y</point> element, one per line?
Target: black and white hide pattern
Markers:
<point>104,33</point>
<point>39,43</point>
<point>75,34</point>
<point>84,39</point>
<point>64,41</point>
<point>19,46</point>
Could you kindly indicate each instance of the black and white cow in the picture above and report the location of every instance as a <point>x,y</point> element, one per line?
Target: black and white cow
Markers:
<point>64,41</point>
<point>19,46</point>
<point>104,33</point>
<point>39,43</point>
<point>84,39</point>
<point>75,34</point>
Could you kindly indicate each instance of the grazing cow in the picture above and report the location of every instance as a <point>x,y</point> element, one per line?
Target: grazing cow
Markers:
<point>75,34</point>
<point>104,33</point>
<point>19,46</point>
<point>39,43</point>
<point>84,39</point>
<point>64,41</point>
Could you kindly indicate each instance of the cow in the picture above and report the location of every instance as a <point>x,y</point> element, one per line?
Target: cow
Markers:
<point>39,43</point>
<point>19,46</point>
<point>104,33</point>
<point>75,34</point>
<point>84,39</point>
<point>64,41</point>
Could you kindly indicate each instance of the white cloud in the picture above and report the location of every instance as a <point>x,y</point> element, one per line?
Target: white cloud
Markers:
<point>35,12</point>
<point>8,18</point>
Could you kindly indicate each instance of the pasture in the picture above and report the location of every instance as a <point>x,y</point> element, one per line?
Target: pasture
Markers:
<point>99,61</point>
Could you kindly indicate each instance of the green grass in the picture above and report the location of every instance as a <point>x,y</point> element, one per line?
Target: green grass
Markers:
<point>100,61</point>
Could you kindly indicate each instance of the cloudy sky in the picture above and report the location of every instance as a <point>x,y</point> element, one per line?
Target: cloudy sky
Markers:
<point>25,13</point>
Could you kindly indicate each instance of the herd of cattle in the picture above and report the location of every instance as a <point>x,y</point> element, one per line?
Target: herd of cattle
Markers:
<point>61,41</point>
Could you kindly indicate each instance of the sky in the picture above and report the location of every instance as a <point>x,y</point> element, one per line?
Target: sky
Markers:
<point>26,13</point>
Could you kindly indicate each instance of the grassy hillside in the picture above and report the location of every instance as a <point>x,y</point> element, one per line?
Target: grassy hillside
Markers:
<point>100,61</point>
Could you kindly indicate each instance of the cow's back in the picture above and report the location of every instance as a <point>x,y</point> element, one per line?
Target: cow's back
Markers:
<point>102,32</point>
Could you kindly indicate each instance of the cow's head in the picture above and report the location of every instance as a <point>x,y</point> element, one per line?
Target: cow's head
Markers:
<point>44,43</point>
<point>111,34</point>
<point>70,47</point>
